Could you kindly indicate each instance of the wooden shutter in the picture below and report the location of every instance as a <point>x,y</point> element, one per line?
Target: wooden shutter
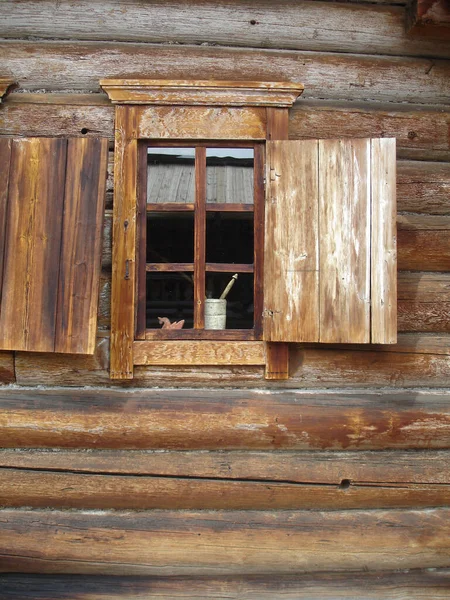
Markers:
<point>51,214</point>
<point>330,245</point>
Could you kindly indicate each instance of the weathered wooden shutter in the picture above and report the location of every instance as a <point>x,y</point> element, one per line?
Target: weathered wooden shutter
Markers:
<point>330,242</point>
<point>51,213</point>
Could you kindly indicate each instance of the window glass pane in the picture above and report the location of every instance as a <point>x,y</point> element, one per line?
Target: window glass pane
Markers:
<point>229,237</point>
<point>239,301</point>
<point>229,175</point>
<point>170,237</point>
<point>171,175</point>
<point>170,299</point>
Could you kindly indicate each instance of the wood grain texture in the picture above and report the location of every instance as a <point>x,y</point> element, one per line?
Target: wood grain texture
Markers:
<point>32,245</point>
<point>423,187</point>
<point>5,164</point>
<point>232,419</point>
<point>277,361</point>
<point>205,352</point>
<point>193,92</point>
<point>223,480</point>
<point>124,244</point>
<point>82,225</point>
<point>213,123</point>
<point>7,367</point>
<point>363,467</point>
<point>222,542</point>
<point>383,246</point>
<point>416,584</point>
<point>291,256</point>
<point>423,250</point>
<point>63,490</point>
<point>421,132</point>
<point>349,27</point>
<point>345,245</point>
<point>80,65</point>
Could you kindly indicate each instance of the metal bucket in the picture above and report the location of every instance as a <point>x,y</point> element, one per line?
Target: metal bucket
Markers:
<point>215,313</point>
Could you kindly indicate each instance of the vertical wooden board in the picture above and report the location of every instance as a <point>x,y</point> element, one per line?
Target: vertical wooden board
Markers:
<point>383,244</point>
<point>32,245</point>
<point>344,233</point>
<point>82,227</point>
<point>291,242</point>
<point>124,244</point>
<point>277,127</point>
<point>5,159</point>
<point>200,238</point>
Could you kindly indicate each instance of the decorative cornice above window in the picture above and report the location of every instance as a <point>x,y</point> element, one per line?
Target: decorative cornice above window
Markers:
<point>4,85</point>
<point>212,93</point>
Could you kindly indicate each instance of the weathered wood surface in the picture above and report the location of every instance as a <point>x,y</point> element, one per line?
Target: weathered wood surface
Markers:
<point>383,245</point>
<point>399,585</point>
<point>7,370</point>
<point>322,467</point>
<point>423,187</point>
<point>191,92</point>
<point>229,419</point>
<point>4,85</point>
<point>194,352</point>
<point>321,26</point>
<point>291,247</point>
<point>424,302</point>
<point>216,123</point>
<point>421,132</point>
<point>80,66</point>
<point>223,480</point>
<point>79,269</point>
<point>222,542</point>
<point>344,241</point>
<point>309,368</point>
<point>123,288</point>
<point>423,249</point>
<point>68,490</point>
<point>32,244</point>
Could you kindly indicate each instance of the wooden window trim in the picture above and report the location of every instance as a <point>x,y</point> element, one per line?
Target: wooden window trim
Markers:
<point>244,111</point>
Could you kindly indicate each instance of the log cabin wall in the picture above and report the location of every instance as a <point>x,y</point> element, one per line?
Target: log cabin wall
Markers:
<point>266,485</point>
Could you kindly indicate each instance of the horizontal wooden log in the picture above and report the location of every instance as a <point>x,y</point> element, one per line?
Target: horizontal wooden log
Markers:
<point>229,420</point>
<point>320,26</point>
<point>423,250</point>
<point>222,542</point>
<point>7,373</point>
<point>362,367</point>
<point>379,585</point>
<point>223,480</point>
<point>422,316</point>
<point>80,66</point>
<point>67,490</point>
<point>423,187</point>
<point>424,287</point>
<point>420,132</point>
<point>364,467</point>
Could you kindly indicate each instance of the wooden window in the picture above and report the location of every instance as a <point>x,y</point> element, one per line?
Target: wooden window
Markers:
<point>328,271</point>
<point>52,195</point>
<point>200,231</point>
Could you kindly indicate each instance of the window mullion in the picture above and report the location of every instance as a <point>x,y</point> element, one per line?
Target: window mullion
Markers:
<point>199,237</point>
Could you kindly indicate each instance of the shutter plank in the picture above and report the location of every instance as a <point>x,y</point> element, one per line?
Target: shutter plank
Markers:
<point>79,271</point>
<point>33,240</point>
<point>383,255</point>
<point>5,159</point>
<point>344,230</point>
<point>291,242</point>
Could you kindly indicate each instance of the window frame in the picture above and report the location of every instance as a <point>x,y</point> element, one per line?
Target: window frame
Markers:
<point>200,208</point>
<point>182,110</point>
